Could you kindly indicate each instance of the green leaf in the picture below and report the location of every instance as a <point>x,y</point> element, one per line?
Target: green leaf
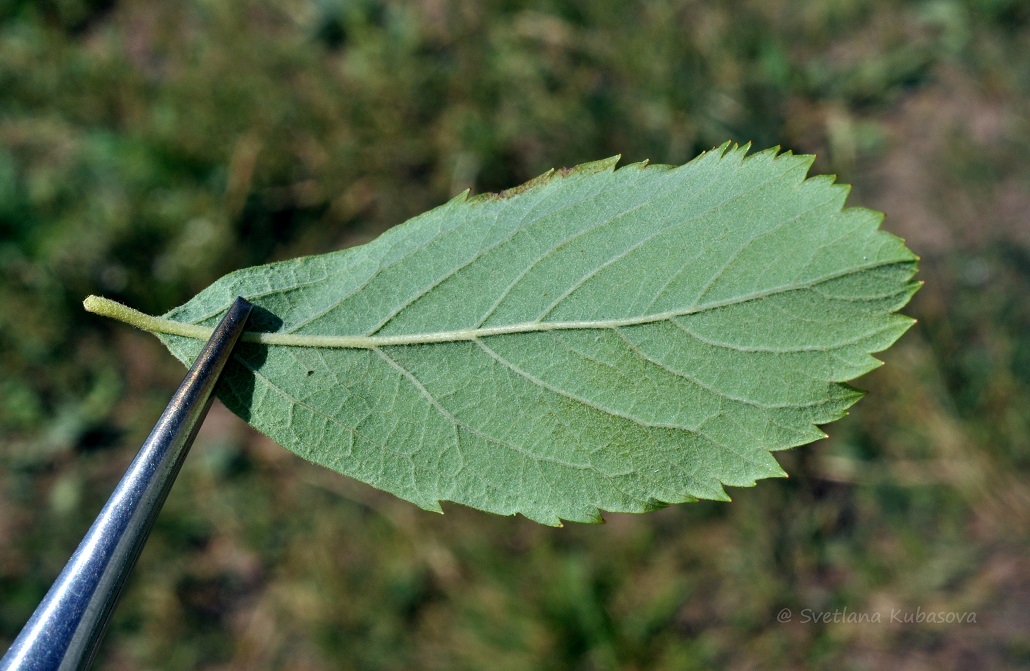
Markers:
<point>596,339</point>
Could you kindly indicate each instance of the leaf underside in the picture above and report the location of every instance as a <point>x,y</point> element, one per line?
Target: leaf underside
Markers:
<point>597,339</point>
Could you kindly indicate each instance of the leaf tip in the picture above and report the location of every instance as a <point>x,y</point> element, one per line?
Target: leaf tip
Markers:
<point>652,505</point>
<point>430,506</point>
<point>719,493</point>
<point>593,167</point>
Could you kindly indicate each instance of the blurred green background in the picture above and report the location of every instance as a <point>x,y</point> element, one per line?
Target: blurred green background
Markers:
<point>146,148</point>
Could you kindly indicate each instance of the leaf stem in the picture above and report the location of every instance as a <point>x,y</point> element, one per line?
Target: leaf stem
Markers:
<point>105,307</point>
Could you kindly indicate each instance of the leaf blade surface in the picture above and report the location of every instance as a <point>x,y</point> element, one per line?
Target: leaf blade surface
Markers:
<point>598,339</point>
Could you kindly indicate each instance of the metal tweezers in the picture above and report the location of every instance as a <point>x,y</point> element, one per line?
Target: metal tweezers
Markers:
<point>68,625</point>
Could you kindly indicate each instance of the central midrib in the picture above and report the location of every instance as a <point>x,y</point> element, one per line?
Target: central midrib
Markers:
<point>161,325</point>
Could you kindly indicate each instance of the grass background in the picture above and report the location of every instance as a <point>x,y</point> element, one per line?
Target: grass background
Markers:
<point>148,148</point>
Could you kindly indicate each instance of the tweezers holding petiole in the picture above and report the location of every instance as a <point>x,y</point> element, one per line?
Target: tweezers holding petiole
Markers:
<point>69,623</point>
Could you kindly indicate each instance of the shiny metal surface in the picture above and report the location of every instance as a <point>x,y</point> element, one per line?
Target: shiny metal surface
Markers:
<point>68,625</point>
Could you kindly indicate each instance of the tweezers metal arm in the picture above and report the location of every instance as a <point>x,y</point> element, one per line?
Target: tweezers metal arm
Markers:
<point>68,625</point>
